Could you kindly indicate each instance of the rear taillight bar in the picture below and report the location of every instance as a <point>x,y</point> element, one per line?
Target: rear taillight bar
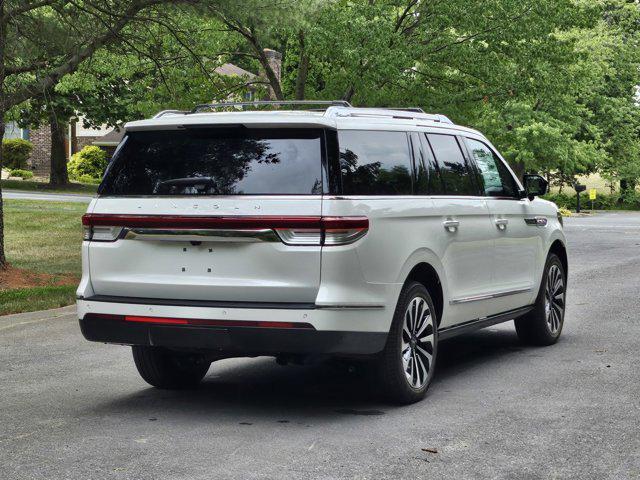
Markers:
<point>292,230</point>
<point>180,221</point>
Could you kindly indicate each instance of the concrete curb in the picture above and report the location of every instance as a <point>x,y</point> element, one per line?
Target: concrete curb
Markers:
<point>32,317</point>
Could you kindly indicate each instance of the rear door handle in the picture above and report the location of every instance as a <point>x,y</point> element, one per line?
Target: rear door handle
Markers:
<point>501,223</point>
<point>451,225</point>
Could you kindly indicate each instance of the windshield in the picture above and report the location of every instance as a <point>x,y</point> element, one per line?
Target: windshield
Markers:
<point>217,161</point>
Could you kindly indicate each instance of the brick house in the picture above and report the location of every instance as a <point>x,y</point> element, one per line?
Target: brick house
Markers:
<point>106,138</point>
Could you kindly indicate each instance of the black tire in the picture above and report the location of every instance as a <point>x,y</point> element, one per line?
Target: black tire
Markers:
<point>543,325</point>
<point>396,384</point>
<point>165,369</point>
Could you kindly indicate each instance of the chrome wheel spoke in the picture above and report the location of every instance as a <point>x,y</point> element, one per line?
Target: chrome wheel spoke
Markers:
<point>426,355</point>
<point>418,317</point>
<point>414,370</point>
<point>425,322</point>
<point>422,370</point>
<point>406,333</point>
<point>426,339</point>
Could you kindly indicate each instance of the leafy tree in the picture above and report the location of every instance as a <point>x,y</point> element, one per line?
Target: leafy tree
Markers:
<point>41,41</point>
<point>160,63</point>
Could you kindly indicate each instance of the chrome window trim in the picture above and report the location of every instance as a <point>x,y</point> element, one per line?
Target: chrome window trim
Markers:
<point>301,196</point>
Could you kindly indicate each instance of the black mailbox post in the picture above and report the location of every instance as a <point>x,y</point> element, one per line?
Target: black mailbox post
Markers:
<point>578,188</point>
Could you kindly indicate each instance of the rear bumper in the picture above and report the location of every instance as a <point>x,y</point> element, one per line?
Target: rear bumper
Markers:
<point>232,341</point>
<point>354,335</point>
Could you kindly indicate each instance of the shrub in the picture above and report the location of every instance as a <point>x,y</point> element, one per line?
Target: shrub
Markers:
<point>565,212</point>
<point>15,152</point>
<point>88,180</point>
<point>88,163</point>
<point>603,201</point>
<point>24,174</point>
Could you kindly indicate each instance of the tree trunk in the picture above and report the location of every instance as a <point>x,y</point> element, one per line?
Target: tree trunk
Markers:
<point>518,169</point>
<point>274,83</point>
<point>3,109</point>
<point>3,259</point>
<point>58,174</point>
<point>348,94</point>
<point>627,185</point>
<point>303,69</point>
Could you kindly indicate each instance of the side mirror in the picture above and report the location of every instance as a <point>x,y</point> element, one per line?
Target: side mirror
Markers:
<point>534,186</point>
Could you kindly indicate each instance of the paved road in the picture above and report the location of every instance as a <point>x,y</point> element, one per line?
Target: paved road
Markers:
<point>56,197</point>
<point>77,410</point>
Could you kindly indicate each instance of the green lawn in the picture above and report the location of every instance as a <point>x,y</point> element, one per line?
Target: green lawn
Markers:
<point>45,187</point>
<point>43,237</point>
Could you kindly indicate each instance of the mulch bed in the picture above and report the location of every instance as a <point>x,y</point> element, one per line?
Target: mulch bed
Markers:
<point>12,278</point>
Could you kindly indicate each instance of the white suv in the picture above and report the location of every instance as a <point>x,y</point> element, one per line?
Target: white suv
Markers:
<point>343,231</point>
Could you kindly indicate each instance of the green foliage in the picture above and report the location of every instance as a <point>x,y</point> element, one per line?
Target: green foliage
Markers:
<point>24,174</point>
<point>88,164</point>
<point>33,186</point>
<point>628,201</point>
<point>550,82</point>
<point>15,152</point>
<point>88,180</point>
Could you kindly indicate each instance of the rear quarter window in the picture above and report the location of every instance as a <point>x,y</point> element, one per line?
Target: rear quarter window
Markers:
<point>375,163</point>
<point>217,161</point>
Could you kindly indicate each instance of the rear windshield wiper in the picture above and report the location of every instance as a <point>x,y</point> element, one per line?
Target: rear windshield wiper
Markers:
<point>186,182</point>
<point>191,185</point>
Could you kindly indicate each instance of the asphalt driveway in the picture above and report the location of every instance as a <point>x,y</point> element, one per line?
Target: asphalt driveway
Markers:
<point>78,410</point>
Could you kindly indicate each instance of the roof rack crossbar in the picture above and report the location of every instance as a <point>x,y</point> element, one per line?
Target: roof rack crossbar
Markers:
<point>258,103</point>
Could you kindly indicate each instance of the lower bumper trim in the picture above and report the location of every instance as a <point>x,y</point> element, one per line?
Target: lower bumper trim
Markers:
<point>231,341</point>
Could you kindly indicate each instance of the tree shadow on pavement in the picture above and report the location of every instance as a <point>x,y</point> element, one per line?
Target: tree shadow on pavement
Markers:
<point>259,388</point>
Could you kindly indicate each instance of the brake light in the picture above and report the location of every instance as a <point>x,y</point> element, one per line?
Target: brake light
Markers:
<point>331,231</point>
<point>344,230</point>
<point>99,233</point>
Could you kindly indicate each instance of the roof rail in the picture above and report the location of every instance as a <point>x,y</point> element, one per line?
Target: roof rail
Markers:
<point>258,103</point>
<point>169,112</point>
<point>397,113</point>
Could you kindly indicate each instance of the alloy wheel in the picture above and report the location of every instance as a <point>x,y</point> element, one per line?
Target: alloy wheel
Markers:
<point>554,299</point>
<point>417,342</point>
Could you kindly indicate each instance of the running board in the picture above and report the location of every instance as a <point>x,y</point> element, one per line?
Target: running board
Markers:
<point>479,323</point>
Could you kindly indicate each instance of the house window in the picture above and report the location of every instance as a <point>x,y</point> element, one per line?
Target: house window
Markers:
<point>12,130</point>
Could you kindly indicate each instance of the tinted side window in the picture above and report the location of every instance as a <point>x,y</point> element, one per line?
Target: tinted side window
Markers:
<point>497,181</point>
<point>427,178</point>
<point>421,186</point>
<point>455,173</point>
<point>375,163</point>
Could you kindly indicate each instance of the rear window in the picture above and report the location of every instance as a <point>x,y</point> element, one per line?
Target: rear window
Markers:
<point>217,161</point>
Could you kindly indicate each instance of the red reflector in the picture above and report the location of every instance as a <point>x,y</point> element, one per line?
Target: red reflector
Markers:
<point>166,321</point>
<point>201,322</point>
